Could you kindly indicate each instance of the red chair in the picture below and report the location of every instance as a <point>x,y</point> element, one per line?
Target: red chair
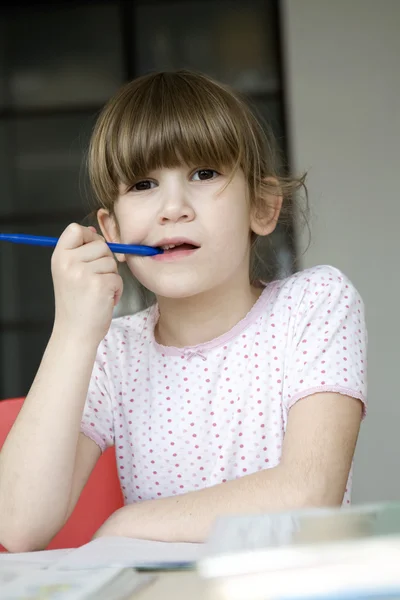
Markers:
<point>99,499</point>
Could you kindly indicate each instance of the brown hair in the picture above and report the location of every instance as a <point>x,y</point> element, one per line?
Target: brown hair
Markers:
<point>169,118</point>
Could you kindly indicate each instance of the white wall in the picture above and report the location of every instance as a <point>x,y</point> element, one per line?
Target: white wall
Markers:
<point>343,80</point>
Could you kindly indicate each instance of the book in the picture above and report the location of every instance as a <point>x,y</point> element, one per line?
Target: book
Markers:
<point>351,551</point>
<point>113,552</point>
<point>107,567</point>
<point>83,584</point>
<point>128,552</point>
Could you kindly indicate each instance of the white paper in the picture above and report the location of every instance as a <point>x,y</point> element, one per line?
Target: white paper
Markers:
<point>41,558</point>
<point>24,564</point>
<point>11,572</point>
<point>127,552</point>
<point>73,585</point>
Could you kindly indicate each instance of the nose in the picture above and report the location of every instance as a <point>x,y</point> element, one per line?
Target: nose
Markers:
<point>176,207</point>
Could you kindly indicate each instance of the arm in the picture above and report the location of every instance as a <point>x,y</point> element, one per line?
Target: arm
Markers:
<point>318,450</point>
<point>43,468</point>
<point>37,459</point>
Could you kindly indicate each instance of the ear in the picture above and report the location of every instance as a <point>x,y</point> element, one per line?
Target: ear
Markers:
<point>109,228</point>
<point>263,221</point>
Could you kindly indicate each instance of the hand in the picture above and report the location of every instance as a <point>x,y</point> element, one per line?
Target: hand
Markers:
<point>87,285</point>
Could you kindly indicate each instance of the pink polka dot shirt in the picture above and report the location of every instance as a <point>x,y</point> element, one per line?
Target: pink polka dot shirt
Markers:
<point>182,419</point>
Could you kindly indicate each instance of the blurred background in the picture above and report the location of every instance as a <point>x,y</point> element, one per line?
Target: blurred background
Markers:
<point>59,63</point>
<point>323,74</point>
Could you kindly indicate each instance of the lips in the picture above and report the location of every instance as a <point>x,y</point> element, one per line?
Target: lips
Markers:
<point>175,249</point>
<point>178,247</point>
<point>173,244</point>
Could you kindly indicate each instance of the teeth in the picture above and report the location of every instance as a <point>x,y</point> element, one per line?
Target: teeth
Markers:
<point>168,246</point>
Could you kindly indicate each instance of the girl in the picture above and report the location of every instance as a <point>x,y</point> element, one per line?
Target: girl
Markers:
<point>228,394</point>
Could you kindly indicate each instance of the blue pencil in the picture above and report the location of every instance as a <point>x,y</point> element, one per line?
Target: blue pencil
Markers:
<point>50,242</point>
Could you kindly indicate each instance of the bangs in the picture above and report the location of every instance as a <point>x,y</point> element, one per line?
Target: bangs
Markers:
<point>166,120</point>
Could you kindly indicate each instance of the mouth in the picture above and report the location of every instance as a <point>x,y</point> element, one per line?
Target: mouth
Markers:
<point>176,248</point>
<point>171,248</point>
<point>177,244</point>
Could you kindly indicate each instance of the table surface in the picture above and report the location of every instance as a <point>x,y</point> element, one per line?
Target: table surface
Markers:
<point>184,585</point>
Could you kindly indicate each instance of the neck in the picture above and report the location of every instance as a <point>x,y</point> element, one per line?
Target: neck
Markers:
<point>201,318</point>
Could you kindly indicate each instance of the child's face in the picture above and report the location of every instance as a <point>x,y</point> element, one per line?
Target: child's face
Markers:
<point>185,204</point>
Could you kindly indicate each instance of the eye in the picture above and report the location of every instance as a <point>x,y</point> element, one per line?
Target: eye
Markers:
<point>143,185</point>
<point>204,174</point>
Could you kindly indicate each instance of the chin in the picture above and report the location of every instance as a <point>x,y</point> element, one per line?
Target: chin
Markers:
<point>177,287</point>
<point>177,291</point>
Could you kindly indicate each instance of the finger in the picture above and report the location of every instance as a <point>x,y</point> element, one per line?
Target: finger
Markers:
<point>76,235</point>
<point>93,251</point>
<point>118,293</point>
<point>114,283</point>
<point>105,265</point>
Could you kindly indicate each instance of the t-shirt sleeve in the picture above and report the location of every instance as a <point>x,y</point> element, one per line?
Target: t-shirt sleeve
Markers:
<point>328,339</point>
<point>97,420</point>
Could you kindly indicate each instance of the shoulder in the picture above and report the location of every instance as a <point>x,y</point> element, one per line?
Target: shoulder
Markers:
<point>316,285</point>
<point>129,328</point>
<point>321,276</point>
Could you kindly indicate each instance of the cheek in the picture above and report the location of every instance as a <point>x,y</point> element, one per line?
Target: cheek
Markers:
<point>134,227</point>
<point>232,210</point>
<point>134,234</point>
<point>233,221</point>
